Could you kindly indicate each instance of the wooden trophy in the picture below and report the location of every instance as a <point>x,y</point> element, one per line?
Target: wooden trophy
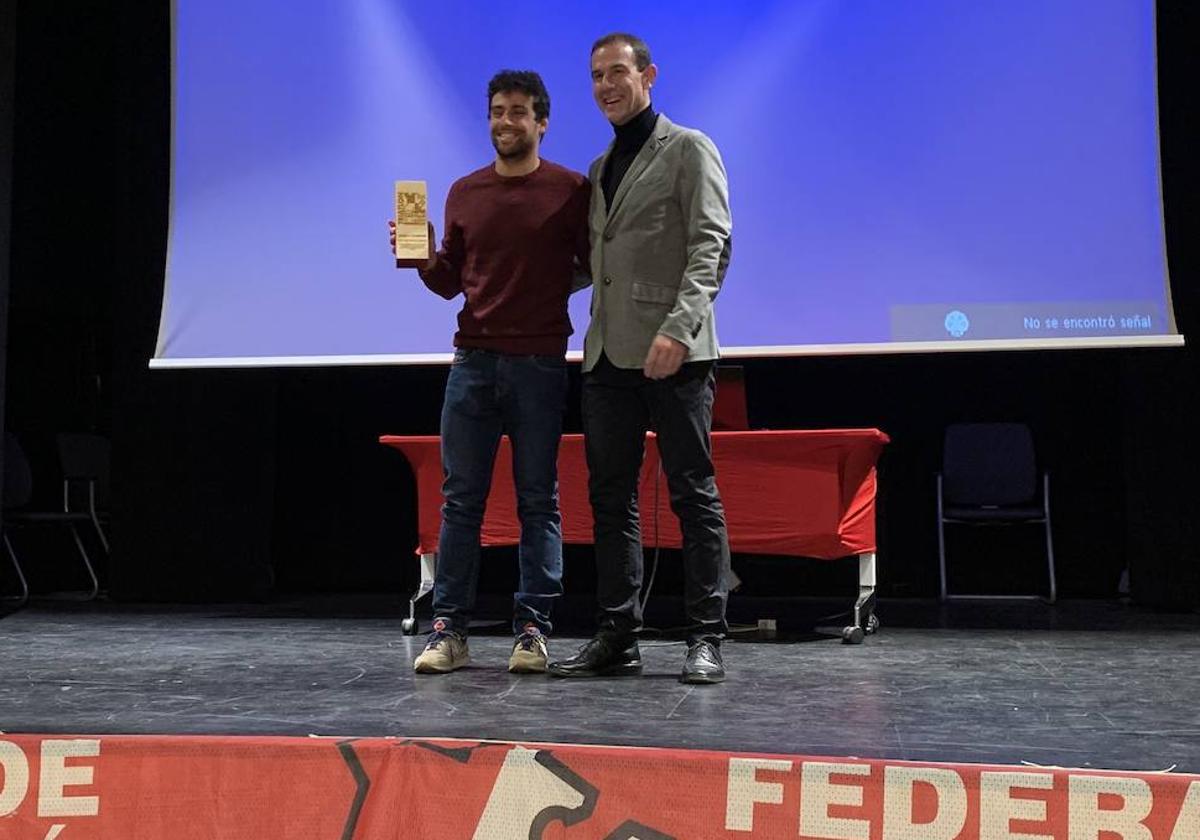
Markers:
<point>412,225</point>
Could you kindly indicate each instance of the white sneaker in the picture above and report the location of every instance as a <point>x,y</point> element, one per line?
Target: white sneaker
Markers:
<point>529,653</point>
<point>444,652</point>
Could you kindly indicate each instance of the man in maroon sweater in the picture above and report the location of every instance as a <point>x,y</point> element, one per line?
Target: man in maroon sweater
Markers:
<point>516,235</point>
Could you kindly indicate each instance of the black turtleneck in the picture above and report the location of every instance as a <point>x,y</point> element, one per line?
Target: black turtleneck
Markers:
<point>630,138</point>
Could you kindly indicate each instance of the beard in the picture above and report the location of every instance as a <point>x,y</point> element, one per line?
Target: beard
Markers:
<point>520,148</point>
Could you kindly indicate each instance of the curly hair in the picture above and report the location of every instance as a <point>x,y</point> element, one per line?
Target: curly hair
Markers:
<point>522,81</point>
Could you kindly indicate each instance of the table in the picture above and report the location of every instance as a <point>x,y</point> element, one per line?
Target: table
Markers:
<point>802,493</point>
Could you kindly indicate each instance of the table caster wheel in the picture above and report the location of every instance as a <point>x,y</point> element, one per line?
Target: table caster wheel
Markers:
<point>409,626</point>
<point>852,635</point>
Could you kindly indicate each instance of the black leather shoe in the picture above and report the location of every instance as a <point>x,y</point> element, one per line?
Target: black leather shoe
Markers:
<point>600,657</point>
<point>703,665</point>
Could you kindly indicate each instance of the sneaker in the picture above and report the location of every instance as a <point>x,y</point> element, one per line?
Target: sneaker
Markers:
<point>529,652</point>
<point>444,652</point>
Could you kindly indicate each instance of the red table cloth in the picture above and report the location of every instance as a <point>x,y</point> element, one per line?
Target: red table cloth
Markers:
<point>798,493</point>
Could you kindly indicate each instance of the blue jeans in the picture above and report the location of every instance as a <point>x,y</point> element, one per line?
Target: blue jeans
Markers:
<point>489,394</point>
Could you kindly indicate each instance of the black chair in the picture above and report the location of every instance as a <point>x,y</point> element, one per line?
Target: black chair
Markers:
<point>85,460</point>
<point>989,477</point>
<point>18,494</point>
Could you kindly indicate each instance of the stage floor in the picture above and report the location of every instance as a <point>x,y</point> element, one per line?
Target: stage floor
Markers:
<point>1089,685</point>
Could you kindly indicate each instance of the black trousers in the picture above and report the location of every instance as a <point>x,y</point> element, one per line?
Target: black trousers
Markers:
<point>618,408</point>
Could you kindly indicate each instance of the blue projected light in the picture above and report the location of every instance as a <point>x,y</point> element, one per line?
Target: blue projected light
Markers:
<point>889,163</point>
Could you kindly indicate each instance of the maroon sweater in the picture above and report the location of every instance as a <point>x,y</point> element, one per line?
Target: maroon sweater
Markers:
<point>510,247</point>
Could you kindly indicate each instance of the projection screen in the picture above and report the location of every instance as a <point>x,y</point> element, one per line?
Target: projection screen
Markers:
<point>925,175</point>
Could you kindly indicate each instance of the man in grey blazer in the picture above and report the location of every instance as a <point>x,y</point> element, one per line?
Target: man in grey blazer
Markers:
<point>660,231</point>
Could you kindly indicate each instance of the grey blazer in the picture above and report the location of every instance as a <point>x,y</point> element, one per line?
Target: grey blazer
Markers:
<point>660,254</point>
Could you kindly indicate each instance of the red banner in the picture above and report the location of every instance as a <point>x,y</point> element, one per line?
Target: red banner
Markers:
<point>131,787</point>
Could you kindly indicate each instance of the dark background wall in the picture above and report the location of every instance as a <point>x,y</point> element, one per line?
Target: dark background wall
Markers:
<point>240,484</point>
<point>8,44</point>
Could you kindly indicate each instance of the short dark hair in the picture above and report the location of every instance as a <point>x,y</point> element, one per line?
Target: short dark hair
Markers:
<point>521,81</point>
<point>641,52</point>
